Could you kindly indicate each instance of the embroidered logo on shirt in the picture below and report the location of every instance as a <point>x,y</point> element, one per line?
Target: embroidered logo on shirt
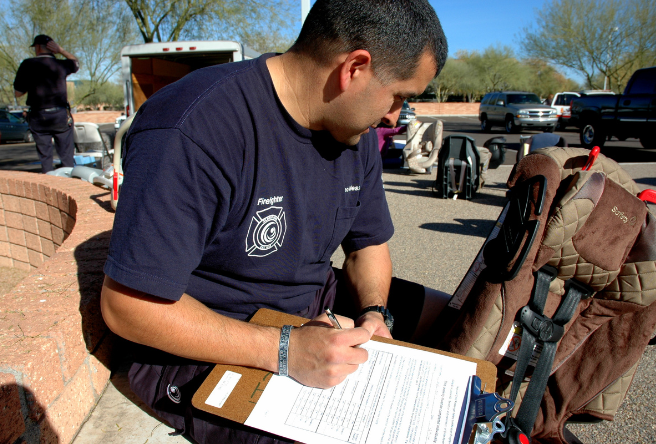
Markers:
<point>266,232</point>
<point>352,188</point>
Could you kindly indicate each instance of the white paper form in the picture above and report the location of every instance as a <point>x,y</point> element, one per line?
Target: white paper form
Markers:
<point>400,395</point>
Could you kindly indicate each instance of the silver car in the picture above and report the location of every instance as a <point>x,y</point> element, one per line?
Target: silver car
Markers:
<point>515,111</point>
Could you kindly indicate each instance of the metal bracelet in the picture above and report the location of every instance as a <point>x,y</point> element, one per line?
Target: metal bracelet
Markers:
<point>283,349</point>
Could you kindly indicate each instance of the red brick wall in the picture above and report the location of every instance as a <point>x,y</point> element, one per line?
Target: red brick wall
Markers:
<point>96,116</point>
<point>445,109</point>
<point>421,108</point>
<point>54,345</point>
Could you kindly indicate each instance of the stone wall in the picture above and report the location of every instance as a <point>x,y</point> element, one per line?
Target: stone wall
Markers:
<point>54,345</point>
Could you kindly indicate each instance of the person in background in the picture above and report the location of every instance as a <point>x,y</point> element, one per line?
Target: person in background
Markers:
<point>386,137</point>
<point>43,79</point>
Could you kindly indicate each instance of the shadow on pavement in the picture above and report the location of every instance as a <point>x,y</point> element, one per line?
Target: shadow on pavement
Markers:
<point>467,227</point>
<point>649,181</point>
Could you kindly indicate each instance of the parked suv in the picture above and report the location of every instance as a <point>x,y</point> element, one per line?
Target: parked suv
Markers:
<point>516,110</point>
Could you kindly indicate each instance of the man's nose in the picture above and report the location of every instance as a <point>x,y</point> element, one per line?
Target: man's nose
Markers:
<point>392,117</point>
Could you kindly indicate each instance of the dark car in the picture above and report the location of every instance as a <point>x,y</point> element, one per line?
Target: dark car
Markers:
<point>407,114</point>
<point>14,128</point>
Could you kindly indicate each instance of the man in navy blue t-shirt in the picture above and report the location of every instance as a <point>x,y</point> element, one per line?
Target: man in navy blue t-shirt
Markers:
<point>241,180</point>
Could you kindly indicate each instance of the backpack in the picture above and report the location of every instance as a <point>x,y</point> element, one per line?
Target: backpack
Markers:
<point>561,298</point>
<point>458,168</point>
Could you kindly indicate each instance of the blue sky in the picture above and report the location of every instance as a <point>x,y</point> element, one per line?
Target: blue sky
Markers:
<point>477,24</point>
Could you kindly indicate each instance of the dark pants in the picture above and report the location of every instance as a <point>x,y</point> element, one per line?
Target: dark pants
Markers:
<point>46,126</point>
<point>167,383</point>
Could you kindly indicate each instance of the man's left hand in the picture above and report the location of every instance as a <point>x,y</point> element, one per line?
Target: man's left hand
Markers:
<point>374,323</point>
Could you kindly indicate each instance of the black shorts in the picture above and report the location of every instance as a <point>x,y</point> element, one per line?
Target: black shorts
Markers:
<point>167,383</point>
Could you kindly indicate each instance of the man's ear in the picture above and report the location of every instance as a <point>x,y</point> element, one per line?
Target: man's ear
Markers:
<point>356,65</point>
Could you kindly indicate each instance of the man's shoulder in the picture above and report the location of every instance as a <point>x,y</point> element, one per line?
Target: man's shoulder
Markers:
<point>368,146</point>
<point>207,91</point>
<point>44,60</point>
<point>30,61</point>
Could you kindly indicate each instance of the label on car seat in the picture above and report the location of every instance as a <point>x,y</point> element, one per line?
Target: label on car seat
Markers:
<point>513,343</point>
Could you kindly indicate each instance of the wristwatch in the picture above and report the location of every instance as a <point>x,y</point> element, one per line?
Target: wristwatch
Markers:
<point>387,316</point>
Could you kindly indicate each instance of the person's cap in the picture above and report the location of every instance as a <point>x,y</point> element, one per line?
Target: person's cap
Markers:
<point>41,39</point>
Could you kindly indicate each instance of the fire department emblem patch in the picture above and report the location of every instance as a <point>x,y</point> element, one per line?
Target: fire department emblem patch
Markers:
<point>266,232</point>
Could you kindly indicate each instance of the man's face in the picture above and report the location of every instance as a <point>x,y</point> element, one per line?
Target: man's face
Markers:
<point>374,103</point>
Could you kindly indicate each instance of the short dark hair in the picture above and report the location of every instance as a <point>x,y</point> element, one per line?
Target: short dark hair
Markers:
<point>395,32</point>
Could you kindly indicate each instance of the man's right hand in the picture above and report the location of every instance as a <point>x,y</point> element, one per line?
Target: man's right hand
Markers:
<point>319,355</point>
<point>54,47</point>
<point>322,356</point>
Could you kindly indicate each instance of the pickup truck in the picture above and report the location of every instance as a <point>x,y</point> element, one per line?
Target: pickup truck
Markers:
<point>632,114</point>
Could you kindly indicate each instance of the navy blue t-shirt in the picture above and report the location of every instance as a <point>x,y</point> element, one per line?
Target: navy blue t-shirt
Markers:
<point>230,200</point>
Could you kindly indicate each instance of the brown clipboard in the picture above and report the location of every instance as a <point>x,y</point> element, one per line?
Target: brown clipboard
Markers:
<point>241,401</point>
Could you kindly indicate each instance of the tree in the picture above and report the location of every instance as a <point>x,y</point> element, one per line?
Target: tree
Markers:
<point>545,80</point>
<point>611,37</point>
<point>108,94</point>
<point>497,69</point>
<point>446,83</point>
<point>84,28</point>
<point>104,35</point>
<point>251,21</point>
<point>458,77</point>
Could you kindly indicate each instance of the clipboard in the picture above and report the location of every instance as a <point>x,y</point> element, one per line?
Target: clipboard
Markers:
<point>243,397</point>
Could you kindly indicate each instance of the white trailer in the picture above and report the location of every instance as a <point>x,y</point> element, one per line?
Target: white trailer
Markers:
<point>148,67</point>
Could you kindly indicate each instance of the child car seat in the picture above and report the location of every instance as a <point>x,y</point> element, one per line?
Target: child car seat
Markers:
<point>562,296</point>
<point>497,148</point>
<point>458,168</point>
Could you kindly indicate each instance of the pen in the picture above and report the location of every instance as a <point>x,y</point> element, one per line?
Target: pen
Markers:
<point>333,319</point>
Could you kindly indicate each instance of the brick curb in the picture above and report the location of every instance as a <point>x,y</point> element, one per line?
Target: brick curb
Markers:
<point>54,345</point>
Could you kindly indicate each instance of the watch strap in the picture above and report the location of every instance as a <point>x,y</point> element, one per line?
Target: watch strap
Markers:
<point>387,316</point>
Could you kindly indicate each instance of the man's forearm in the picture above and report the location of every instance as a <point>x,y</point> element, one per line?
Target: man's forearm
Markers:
<point>67,54</point>
<point>319,355</point>
<point>369,274</point>
<point>188,328</point>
